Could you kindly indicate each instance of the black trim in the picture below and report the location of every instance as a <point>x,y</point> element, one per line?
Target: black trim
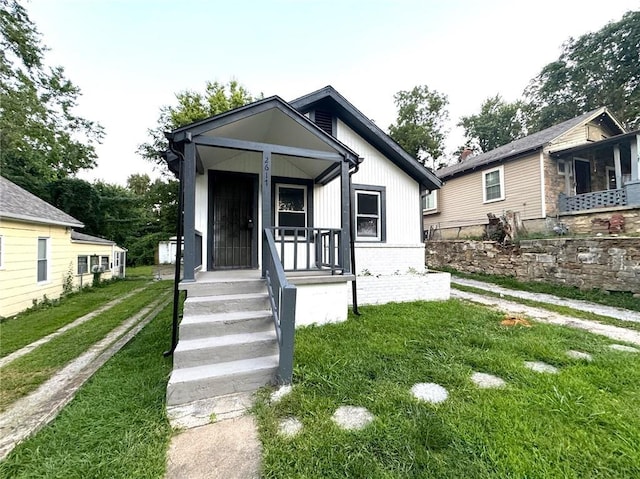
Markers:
<point>283,180</point>
<point>383,211</point>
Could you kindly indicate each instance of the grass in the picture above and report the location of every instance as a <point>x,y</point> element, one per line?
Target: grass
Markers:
<point>115,427</point>
<point>26,373</point>
<point>613,298</point>
<point>583,422</point>
<point>565,310</point>
<point>32,325</point>
<point>145,272</point>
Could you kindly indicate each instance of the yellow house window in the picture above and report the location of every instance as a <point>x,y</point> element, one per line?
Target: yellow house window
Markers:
<point>43,259</point>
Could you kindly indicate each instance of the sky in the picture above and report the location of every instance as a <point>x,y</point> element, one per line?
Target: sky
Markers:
<point>130,57</point>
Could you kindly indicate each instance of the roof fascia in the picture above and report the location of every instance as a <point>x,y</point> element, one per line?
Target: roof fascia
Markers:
<point>38,220</point>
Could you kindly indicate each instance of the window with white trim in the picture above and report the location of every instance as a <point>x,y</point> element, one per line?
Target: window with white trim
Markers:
<point>94,263</point>
<point>291,207</point>
<point>493,185</point>
<point>43,259</point>
<point>430,201</point>
<point>370,213</point>
<point>104,263</point>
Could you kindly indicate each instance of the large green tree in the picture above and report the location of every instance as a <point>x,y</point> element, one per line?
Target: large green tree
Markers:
<point>420,126</point>
<point>598,69</point>
<point>192,106</point>
<point>498,123</point>
<point>41,139</point>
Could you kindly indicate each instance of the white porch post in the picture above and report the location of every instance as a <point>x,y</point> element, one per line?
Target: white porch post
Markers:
<point>267,220</point>
<point>616,165</point>
<point>635,158</point>
<point>345,216</point>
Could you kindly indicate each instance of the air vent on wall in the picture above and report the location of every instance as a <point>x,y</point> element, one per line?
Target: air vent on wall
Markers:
<point>324,120</point>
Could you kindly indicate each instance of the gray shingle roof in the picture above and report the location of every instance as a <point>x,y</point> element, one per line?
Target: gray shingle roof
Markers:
<point>76,236</point>
<point>528,143</point>
<point>17,203</point>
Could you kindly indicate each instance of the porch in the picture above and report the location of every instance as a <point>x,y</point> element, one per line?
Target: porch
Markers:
<point>601,174</point>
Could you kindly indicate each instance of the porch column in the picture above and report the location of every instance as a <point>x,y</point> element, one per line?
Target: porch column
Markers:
<point>616,164</point>
<point>345,202</point>
<point>267,219</point>
<point>634,146</point>
<point>189,218</point>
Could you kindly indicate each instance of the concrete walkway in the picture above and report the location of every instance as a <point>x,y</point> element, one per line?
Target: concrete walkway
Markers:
<point>30,413</point>
<point>617,313</point>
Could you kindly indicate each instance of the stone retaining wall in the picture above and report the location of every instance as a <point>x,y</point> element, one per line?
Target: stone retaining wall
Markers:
<point>608,263</point>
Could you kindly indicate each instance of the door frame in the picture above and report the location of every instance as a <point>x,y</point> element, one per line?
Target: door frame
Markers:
<point>212,175</point>
<point>575,174</point>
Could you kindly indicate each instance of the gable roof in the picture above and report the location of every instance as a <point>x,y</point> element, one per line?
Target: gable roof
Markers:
<point>329,99</point>
<point>524,145</point>
<point>18,204</point>
<point>85,238</point>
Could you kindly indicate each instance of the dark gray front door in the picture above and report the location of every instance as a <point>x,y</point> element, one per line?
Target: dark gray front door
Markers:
<point>233,223</point>
<point>583,176</point>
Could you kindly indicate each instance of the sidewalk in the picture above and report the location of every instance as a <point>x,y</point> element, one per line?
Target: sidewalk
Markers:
<point>617,313</point>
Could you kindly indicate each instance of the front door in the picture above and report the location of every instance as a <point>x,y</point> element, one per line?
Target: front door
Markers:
<point>233,221</point>
<point>583,176</point>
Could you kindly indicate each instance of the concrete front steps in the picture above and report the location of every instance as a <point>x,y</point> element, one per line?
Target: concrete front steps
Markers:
<point>227,345</point>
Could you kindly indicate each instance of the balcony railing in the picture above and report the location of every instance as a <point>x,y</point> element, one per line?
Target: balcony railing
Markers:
<point>589,201</point>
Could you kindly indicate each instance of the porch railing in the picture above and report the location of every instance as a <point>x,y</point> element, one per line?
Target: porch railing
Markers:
<point>282,297</point>
<point>309,249</point>
<point>589,201</point>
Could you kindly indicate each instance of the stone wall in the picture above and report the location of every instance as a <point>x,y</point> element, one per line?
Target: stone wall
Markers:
<point>581,222</point>
<point>608,263</point>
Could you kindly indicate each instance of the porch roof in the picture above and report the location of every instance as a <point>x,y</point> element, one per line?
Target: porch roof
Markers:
<point>269,124</point>
<point>611,141</point>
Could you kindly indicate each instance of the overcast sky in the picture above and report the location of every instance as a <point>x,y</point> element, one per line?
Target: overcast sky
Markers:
<point>129,57</point>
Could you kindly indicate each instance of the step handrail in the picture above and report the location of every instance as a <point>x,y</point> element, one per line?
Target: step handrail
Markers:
<point>282,296</point>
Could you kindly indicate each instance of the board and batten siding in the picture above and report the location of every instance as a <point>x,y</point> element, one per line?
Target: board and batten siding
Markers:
<point>460,201</point>
<point>578,136</point>
<point>19,285</point>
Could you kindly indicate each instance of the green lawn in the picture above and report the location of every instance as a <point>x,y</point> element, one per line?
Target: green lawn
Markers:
<point>32,325</point>
<point>115,427</point>
<point>25,374</point>
<point>582,422</point>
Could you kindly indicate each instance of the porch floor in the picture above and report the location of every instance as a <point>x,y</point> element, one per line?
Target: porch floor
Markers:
<point>295,277</point>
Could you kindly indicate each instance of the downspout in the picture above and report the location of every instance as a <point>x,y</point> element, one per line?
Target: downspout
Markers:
<point>354,291</point>
<point>176,277</point>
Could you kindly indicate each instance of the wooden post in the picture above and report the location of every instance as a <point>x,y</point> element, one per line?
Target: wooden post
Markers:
<point>267,220</point>
<point>616,164</point>
<point>345,203</point>
<point>189,180</point>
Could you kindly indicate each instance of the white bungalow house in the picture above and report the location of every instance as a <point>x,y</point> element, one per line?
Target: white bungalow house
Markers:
<point>285,203</point>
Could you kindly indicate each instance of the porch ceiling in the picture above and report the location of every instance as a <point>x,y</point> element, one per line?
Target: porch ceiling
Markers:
<point>271,127</point>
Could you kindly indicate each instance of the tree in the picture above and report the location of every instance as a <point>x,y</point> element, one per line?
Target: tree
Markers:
<point>497,124</point>
<point>419,128</point>
<point>41,139</point>
<point>598,69</point>
<point>192,106</point>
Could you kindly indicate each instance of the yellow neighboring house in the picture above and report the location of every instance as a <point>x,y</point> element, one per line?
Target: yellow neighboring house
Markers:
<point>40,252</point>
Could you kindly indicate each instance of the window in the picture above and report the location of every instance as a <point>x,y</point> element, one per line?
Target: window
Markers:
<point>430,201</point>
<point>94,263</point>
<point>291,207</point>
<point>493,184</point>
<point>83,265</point>
<point>370,213</point>
<point>43,259</point>
<point>104,263</point>
<point>561,168</point>
<point>1,252</point>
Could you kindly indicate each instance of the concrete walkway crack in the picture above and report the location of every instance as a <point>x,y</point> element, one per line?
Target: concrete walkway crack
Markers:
<point>32,412</point>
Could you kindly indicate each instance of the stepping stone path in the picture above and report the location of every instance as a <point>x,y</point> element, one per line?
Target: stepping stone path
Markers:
<point>485,381</point>
<point>290,427</point>
<point>541,367</point>
<point>579,355</point>
<point>352,418</point>
<point>622,347</point>
<point>429,392</point>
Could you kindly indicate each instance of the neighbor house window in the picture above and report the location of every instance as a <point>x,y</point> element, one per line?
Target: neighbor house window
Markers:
<point>430,201</point>
<point>43,259</point>
<point>561,167</point>
<point>493,184</point>
<point>83,265</point>
<point>104,262</point>
<point>94,262</point>
<point>291,207</point>
<point>370,213</point>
